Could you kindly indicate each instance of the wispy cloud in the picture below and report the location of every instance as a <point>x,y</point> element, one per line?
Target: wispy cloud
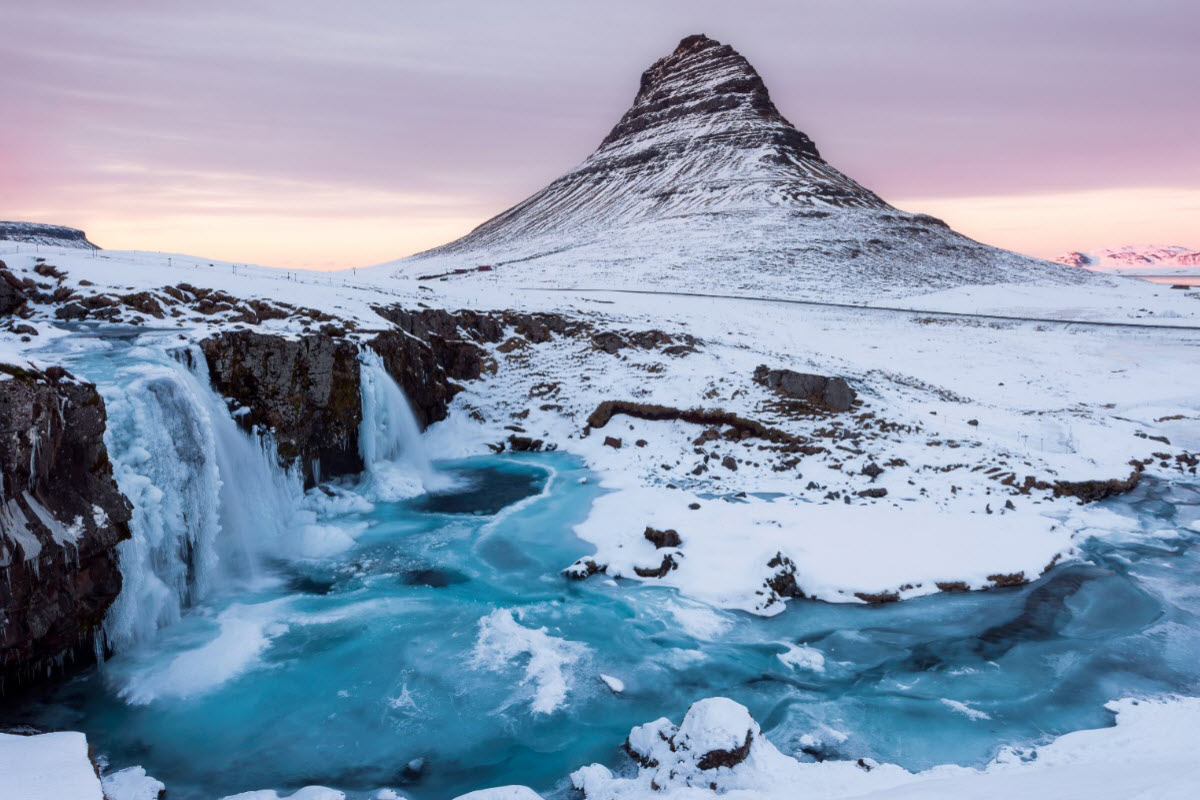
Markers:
<point>134,113</point>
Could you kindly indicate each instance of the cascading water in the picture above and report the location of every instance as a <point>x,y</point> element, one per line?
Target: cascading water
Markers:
<point>389,438</point>
<point>208,498</point>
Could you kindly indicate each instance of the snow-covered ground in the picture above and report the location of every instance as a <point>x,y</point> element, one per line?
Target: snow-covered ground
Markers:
<point>956,411</point>
<point>959,415</point>
<point>49,766</point>
<point>1149,753</point>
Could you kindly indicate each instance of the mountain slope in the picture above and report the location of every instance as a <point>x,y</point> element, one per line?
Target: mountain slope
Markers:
<point>703,186</point>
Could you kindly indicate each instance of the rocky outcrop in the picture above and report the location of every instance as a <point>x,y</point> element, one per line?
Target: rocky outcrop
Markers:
<point>61,519</point>
<point>305,391</point>
<point>12,293</point>
<point>739,427</point>
<point>832,394</point>
<point>716,736</point>
<point>1094,491</point>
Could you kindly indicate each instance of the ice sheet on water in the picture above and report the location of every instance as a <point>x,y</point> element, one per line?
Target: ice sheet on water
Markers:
<point>502,640</point>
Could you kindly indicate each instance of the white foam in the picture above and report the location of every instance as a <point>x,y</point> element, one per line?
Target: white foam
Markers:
<point>965,710</point>
<point>502,640</point>
<point>803,657</point>
<point>245,632</point>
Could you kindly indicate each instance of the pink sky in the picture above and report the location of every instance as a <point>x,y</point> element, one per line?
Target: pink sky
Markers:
<point>331,135</point>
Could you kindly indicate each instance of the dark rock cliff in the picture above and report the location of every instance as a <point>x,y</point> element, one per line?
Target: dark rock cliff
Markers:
<point>305,391</point>
<point>61,519</point>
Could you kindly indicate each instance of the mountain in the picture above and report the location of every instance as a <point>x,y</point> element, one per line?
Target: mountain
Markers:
<point>704,185</point>
<point>1134,259</point>
<point>37,233</point>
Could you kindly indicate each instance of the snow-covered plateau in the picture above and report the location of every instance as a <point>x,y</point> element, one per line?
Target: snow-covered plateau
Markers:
<point>704,433</point>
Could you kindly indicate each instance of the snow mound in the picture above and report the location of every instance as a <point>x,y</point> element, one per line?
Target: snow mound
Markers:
<point>719,750</point>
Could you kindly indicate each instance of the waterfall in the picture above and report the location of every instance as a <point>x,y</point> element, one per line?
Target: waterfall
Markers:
<point>389,438</point>
<point>208,498</point>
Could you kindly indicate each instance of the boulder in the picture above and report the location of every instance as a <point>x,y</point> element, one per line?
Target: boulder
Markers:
<point>833,394</point>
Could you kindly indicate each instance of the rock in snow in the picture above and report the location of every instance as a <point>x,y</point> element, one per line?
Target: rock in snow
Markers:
<point>718,751</point>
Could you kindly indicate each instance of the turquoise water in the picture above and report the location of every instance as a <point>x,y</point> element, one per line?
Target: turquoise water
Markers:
<point>443,651</point>
<point>376,658</point>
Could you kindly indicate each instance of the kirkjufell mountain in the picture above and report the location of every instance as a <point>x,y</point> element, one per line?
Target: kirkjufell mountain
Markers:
<point>704,185</point>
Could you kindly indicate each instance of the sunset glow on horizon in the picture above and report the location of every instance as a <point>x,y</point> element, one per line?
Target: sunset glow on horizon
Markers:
<point>296,135</point>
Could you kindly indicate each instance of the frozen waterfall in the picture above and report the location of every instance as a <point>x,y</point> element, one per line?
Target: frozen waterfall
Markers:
<point>208,498</point>
<point>389,438</point>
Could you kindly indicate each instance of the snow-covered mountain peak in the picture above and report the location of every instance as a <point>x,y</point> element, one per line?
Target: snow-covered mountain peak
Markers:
<point>708,87</point>
<point>703,185</point>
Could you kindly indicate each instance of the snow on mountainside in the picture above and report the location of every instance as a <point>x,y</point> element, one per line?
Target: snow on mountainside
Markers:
<point>37,233</point>
<point>1137,259</point>
<point>704,186</point>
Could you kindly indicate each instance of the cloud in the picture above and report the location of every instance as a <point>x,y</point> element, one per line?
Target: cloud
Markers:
<point>224,105</point>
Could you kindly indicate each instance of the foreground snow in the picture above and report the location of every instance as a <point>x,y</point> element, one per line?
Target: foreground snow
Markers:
<point>1149,753</point>
<point>50,766</point>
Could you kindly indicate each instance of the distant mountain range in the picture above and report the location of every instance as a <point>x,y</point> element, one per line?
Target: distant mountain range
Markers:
<point>37,233</point>
<point>704,186</point>
<point>1137,259</point>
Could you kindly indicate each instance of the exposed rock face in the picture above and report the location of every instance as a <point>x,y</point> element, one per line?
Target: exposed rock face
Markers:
<point>830,393</point>
<point>305,391</point>
<point>37,233</point>
<point>12,294</point>
<point>703,185</point>
<point>61,519</point>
